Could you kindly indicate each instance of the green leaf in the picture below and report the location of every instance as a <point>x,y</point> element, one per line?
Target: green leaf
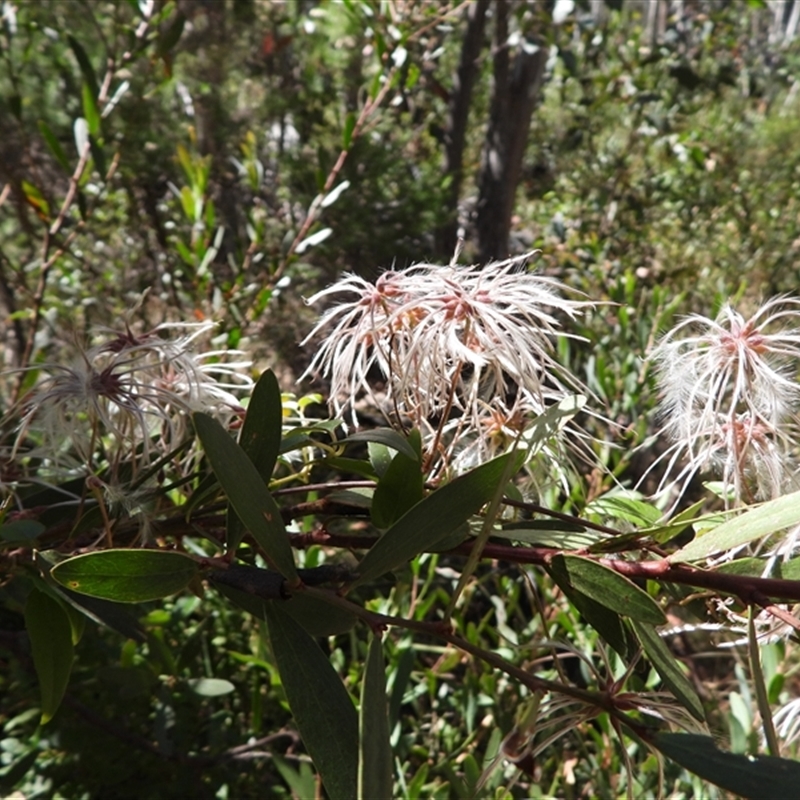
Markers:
<point>319,618</point>
<point>375,773</point>
<point>758,523</point>
<point>105,612</point>
<point>35,198</point>
<point>247,493</point>
<point>385,436</point>
<point>171,34</point>
<point>322,709</point>
<point>126,576</point>
<point>606,622</point>
<point>668,667</point>
<point>432,519</point>
<point>400,487</point>
<point>549,424</point>
<point>98,156</point>
<point>757,777</point>
<point>347,131</point>
<point>52,649</point>
<point>90,111</point>
<point>54,145</point>
<point>21,531</point>
<point>87,70</point>
<point>12,774</point>
<point>612,590</point>
<point>260,438</point>
<point>643,515</point>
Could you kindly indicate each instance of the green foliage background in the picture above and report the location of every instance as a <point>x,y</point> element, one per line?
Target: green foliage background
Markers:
<point>662,175</point>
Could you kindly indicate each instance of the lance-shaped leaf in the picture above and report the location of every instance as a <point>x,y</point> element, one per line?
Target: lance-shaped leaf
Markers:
<point>430,520</point>
<point>247,493</point>
<point>769,518</point>
<point>260,438</point>
<point>612,590</point>
<point>126,576</point>
<point>606,622</point>
<point>399,488</point>
<point>51,646</point>
<point>322,709</point>
<point>668,667</point>
<point>385,436</point>
<point>375,750</point>
<point>759,777</point>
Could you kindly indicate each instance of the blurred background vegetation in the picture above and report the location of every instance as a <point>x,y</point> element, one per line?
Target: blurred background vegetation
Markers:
<point>222,159</point>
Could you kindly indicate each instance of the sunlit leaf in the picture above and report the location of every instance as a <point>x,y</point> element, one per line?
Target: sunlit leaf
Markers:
<point>612,590</point>
<point>606,622</point>
<point>432,519</point>
<point>51,646</point>
<point>322,709</point>
<point>375,750</point>
<point>757,523</point>
<point>90,111</point>
<point>668,667</point>
<point>247,493</point>
<point>126,576</point>
<point>629,509</point>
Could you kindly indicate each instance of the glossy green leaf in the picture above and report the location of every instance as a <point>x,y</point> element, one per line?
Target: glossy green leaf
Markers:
<point>116,616</point>
<point>758,523</point>
<point>760,777</point>
<point>612,590</point>
<point>400,487</point>
<point>385,436</point>
<point>605,621</point>
<point>432,519</point>
<point>126,576</point>
<point>52,649</point>
<point>375,772</point>
<point>668,667</point>
<point>260,438</point>
<point>54,145</point>
<point>247,493</point>
<point>322,709</point>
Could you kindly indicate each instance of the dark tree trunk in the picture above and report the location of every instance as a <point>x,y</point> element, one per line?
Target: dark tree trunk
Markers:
<point>458,116</point>
<point>515,93</point>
